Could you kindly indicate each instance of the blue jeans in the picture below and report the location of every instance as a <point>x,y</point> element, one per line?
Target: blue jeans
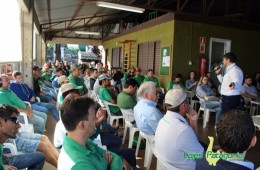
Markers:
<point>128,154</point>
<point>45,99</point>
<point>111,141</point>
<point>33,160</point>
<point>46,107</point>
<point>38,121</point>
<point>214,105</point>
<point>50,92</point>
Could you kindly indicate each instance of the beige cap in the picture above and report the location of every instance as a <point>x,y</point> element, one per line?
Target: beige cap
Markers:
<point>69,86</point>
<point>175,97</point>
<point>61,79</point>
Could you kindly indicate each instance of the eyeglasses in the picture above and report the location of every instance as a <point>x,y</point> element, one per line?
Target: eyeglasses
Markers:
<point>12,119</point>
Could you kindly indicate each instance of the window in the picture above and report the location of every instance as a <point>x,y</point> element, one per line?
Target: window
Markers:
<point>10,32</point>
<point>116,57</point>
<point>149,57</point>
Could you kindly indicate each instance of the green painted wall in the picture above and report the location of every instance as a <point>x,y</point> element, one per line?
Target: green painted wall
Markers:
<point>162,32</point>
<point>245,44</point>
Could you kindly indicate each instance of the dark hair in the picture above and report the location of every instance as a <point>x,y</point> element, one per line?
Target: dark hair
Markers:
<point>59,69</point>
<point>70,91</point>
<point>75,109</point>
<point>235,131</point>
<point>178,75</point>
<point>231,56</point>
<point>130,82</point>
<point>150,70</point>
<point>175,109</point>
<point>16,73</point>
<point>7,111</point>
<point>248,77</point>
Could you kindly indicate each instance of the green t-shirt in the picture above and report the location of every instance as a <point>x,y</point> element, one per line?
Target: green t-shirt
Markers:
<point>10,98</point>
<point>105,95</point>
<point>171,83</point>
<point>78,82</point>
<point>47,74</point>
<point>139,79</point>
<point>153,79</point>
<point>125,101</point>
<point>76,157</point>
<point>2,167</point>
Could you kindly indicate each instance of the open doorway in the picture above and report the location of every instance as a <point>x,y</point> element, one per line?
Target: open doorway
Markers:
<point>218,47</point>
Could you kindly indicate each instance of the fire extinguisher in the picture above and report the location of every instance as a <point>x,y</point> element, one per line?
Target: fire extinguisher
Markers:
<point>202,65</point>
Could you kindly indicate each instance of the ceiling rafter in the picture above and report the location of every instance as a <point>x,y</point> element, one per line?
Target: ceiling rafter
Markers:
<point>81,3</point>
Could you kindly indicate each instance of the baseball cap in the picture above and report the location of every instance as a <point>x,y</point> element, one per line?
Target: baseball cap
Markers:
<point>175,97</point>
<point>103,77</point>
<point>69,86</point>
<point>61,79</point>
<point>36,68</point>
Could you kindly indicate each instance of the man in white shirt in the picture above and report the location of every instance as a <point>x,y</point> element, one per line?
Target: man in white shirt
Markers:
<point>175,140</point>
<point>231,84</point>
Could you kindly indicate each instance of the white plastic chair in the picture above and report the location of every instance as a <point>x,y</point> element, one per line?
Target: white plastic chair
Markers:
<point>193,103</point>
<point>149,148</point>
<point>161,165</point>
<point>128,115</point>
<point>110,116</point>
<point>205,110</point>
<point>25,125</point>
<point>11,148</point>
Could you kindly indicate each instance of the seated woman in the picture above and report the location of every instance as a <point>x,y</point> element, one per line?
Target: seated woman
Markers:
<point>176,81</point>
<point>192,82</point>
<point>204,91</point>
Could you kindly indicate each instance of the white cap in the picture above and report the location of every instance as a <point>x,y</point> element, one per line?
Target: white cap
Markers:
<point>103,77</point>
<point>175,97</point>
<point>69,86</point>
<point>61,79</point>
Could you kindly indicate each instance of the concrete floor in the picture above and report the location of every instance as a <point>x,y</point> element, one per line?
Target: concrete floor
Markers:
<point>252,155</point>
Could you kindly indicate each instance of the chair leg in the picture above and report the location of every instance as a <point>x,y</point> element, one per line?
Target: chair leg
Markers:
<point>131,137</point>
<point>138,145</point>
<point>205,117</point>
<point>148,155</point>
<point>125,131</point>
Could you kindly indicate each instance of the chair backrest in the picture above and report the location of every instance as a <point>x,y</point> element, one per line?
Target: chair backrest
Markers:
<point>190,94</point>
<point>107,104</point>
<point>128,114</point>
<point>25,125</point>
<point>149,138</point>
<point>9,148</point>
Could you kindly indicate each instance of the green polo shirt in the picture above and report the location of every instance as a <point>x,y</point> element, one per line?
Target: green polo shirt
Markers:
<point>125,101</point>
<point>10,98</point>
<point>153,79</point>
<point>171,83</point>
<point>2,167</point>
<point>105,95</point>
<point>78,82</point>
<point>139,79</point>
<point>47,74</point>
<point>76,157</point>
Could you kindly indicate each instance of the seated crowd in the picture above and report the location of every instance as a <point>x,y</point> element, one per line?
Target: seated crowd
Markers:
<point>86,139</point>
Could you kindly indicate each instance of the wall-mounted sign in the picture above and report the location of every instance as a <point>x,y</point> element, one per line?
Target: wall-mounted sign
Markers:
<point>202,45</point>
<point>165,60</point>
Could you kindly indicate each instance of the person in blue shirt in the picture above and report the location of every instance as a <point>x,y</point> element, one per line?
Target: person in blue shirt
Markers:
<point>25,93</point>
<point>147,116</point>
<point>212,102</point>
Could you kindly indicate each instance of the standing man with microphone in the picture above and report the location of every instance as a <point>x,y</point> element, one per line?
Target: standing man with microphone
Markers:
<point>231,84</point>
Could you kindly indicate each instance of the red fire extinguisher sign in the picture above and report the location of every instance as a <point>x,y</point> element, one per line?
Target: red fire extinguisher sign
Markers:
<point>202,45</point>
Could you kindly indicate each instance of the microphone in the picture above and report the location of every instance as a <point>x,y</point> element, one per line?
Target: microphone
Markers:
<point>217,68</point>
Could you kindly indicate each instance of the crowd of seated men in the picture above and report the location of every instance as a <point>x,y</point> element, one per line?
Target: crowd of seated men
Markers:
<point>63,92</point>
